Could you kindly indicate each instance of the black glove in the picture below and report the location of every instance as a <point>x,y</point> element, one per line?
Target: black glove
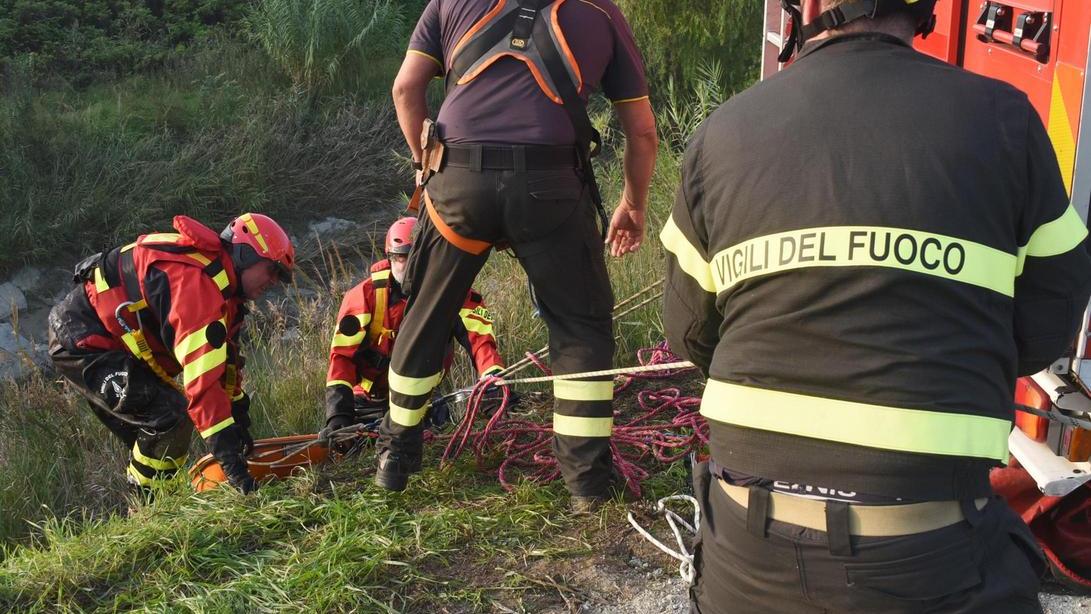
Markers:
<point>439,414</point>
<point>337,422</point>
<point>227,448</point>
<point>240,411</point>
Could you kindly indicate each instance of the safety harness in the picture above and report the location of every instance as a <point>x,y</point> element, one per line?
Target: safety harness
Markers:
<point>529,31</point>
<point>117,271</point>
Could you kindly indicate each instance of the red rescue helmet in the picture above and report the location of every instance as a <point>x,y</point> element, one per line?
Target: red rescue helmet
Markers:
<point>399,239</point>
<point>254,237</point>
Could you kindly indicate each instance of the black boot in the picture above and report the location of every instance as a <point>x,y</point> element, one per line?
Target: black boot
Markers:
<point>393,471</point>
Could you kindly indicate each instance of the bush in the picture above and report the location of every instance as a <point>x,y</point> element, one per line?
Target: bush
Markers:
<point>116,36</point>
<point>677,37</point>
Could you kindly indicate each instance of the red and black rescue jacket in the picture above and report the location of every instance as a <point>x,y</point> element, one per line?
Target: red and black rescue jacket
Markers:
<point>364,338</point>
<point>177,294</point>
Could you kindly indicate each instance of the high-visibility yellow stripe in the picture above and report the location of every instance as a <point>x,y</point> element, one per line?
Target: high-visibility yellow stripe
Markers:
<point>492,369</point>
<point>239,395</point>
<point>221,280</point>
<point>861,424</point>
<point>413,386</point>
<point>128,247</point>
<point>841,246</point>
<point>338,382</point>
<point>100,281</point>
<point>473,324</point>
<point>204,364</point>
<point>625,100</point>
<point>216,428</point>
<point>340,340</point>
<point>140,478</point>
<point>576,426</point>
<point>689,259</point>
<point>381,275</point>
<point>194,341</point>
<point>254,230</point>
<point>199,257</point>
<point>1054,238</point>
<point>166,464</point>
<point>430,57</point>
<point>404,416</point>
<point>573,390</point>
<point>162,237</point>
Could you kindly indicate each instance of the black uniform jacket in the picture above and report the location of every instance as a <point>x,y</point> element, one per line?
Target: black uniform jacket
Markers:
<point>866,250</point>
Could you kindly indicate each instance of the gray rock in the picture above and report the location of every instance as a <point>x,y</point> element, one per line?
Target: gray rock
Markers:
<point>28,278</point>
<point>11,298</point>
<point>331,225</point>
<point>17,354</point>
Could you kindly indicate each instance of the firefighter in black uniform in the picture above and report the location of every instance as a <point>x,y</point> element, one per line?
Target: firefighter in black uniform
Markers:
<point>866,250</point>
<point>515,170</point>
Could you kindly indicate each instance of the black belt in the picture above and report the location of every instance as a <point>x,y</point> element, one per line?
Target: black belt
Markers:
<point>511,157</point>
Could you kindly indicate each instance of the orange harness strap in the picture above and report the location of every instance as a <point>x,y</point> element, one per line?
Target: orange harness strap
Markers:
<point>470,246</point>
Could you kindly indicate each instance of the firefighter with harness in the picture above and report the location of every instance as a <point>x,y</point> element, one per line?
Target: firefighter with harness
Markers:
<point>507,164</point>
<point>367,328</point>
<point>170,304</point>
<point>865,251</point>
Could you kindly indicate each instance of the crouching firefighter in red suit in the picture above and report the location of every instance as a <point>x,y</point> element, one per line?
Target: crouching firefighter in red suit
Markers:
<point>164,305</point>
<point>367,326</point>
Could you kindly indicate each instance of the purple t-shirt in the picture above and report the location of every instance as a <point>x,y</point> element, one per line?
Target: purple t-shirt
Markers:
<point>504,104</point>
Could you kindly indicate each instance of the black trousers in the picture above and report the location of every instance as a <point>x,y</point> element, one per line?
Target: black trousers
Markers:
<point>550,224</point>
<point>146,414</point>
<point>991,565</point>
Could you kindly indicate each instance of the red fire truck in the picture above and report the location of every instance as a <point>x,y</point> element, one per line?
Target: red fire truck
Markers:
<point>1041,47</point>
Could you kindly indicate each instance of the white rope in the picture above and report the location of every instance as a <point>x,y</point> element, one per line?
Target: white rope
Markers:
<point>683,555</point>
<point>682,364</point>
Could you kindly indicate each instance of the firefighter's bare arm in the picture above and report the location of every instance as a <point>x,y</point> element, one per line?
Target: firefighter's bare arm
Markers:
<point>352,321</point>
<point>1052,289</point>
<point>690,318</point>
<point>410,88</point>
<point>626,232</point>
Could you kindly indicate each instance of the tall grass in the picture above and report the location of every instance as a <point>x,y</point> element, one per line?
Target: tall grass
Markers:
<point>327,45</point>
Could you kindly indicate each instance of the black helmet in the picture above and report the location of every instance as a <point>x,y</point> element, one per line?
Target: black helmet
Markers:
<point>921,10</point>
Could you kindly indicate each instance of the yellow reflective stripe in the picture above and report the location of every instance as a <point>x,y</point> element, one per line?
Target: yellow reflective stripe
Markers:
<point>381,275</point>
<point>1054,238</point>
<point>204,364</point>
<point>407,417</point>
<point>128,247</point>
<point>492,369</point>
<point>162,237</point>
<point>840,246</point>
<point>238,396</point>
<point>216,428</point>
<point>340,340</point>
<point>140,478</point>
<point>100,281</point>
<point>413,386</point>
<point>166,464</point>
<point>338,382</point>
<point>861,424</point>
<point>576,426</point>
<point>430,57</point>
<point>625,100</point>
<point>254,230</point>
<point>689,259</point>
<point>193,341</point>
<point>473,324</point>
<point>221,280</point>
<point>573,390</point>
<point>200,258</point>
